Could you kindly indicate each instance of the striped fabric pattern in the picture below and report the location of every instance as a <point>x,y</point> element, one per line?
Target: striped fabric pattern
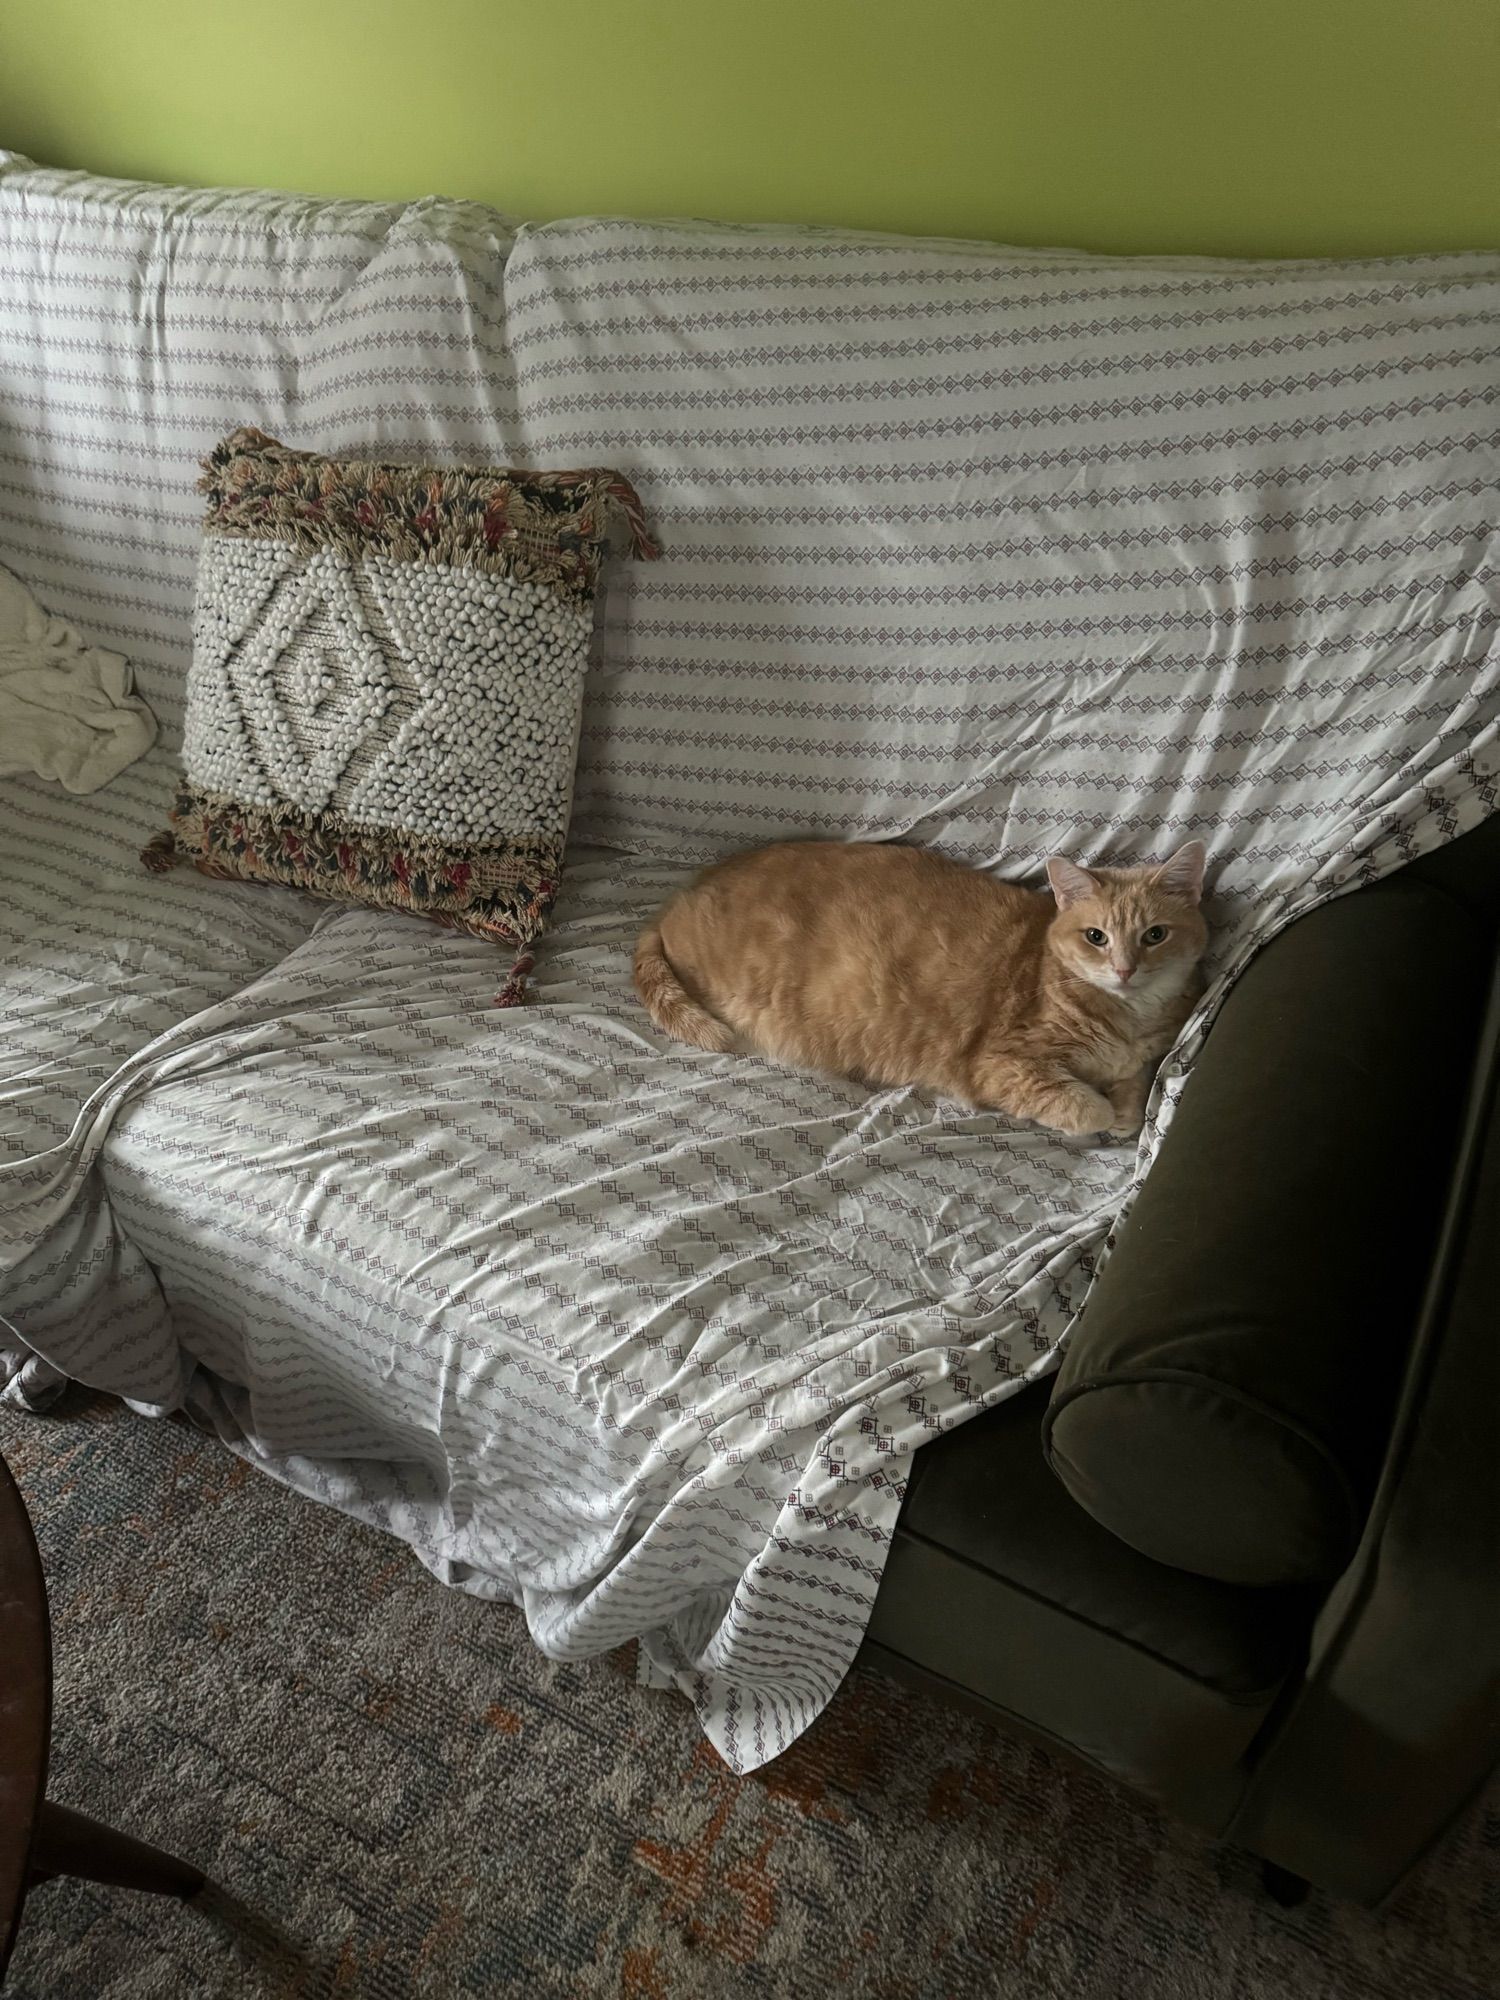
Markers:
<point>1011,550</point>
<point>138,324</point>
<point>1002,551</point>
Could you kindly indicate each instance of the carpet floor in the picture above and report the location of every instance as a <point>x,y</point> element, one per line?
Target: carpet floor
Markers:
<point>394,1794</point>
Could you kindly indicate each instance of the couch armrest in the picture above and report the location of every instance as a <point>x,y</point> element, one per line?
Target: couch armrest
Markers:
<point>1397,1723</point>
<point>1225,1400</point>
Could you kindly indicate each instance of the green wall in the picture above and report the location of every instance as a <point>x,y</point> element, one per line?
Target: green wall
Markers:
<point>1252,127</point>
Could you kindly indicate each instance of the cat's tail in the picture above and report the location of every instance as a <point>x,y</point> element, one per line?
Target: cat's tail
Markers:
<point>668,1002</point>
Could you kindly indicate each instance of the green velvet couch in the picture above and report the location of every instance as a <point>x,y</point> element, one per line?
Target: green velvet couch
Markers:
<point>1243,1550</point>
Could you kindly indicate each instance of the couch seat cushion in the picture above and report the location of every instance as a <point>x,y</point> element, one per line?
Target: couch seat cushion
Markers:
<point>637,1336</point>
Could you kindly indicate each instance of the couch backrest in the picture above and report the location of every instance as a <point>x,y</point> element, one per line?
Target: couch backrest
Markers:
<point>139,324</point>
<point>1006,551</point>
<point>1012,550</point>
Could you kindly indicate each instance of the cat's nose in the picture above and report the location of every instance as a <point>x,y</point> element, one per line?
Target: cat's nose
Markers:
<point>1124,973</point>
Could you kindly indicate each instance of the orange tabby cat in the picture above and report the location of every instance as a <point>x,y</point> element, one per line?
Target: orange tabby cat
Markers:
<point>895,966</point>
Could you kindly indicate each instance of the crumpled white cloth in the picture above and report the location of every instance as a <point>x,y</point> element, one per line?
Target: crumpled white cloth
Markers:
<point>68,710</point>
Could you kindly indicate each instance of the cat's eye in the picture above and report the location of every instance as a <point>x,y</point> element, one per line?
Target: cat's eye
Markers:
<point>1155,935</point>
<point>1096,937</point>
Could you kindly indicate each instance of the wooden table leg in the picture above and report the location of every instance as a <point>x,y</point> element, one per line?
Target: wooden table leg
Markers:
<point>70,1843</point>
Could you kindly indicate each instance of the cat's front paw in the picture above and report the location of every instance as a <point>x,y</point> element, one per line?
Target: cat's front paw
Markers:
<point>1126,1120</point>
<point>1127,1105</point>
<point>1079,1112</point>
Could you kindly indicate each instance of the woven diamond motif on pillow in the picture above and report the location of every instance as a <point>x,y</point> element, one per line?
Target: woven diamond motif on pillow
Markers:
<point>387,675</point>
<point>311,683</point>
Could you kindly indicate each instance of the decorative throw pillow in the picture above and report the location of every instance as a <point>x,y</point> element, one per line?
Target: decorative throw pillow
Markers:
<point>387,677</point>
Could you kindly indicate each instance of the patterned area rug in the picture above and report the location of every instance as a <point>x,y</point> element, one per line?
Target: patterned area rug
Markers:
<point>396,1795</point>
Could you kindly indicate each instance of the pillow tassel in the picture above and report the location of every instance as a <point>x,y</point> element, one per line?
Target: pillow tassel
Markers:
<point>160,853</point>
<point>628,501</point>
<point>513,992</point>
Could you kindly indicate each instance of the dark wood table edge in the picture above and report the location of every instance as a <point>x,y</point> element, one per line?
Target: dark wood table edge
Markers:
<point>40,1839</point>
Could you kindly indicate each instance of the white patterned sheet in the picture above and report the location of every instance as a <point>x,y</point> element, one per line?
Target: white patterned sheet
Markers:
<point>996,551</point>
<point>138,325</point>
<point>1005,549</point>
<point>596,1323</point>
<point>95,962</point>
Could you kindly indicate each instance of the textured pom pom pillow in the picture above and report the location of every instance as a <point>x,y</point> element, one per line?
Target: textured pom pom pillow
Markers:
<point>387,676</point>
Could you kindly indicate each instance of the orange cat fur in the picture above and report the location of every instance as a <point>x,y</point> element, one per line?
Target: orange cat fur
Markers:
<point>894,965</point>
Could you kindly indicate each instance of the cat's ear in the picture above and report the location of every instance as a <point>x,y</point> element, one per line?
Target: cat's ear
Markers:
<point>1183,874</point>
<point>1070,883</point>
